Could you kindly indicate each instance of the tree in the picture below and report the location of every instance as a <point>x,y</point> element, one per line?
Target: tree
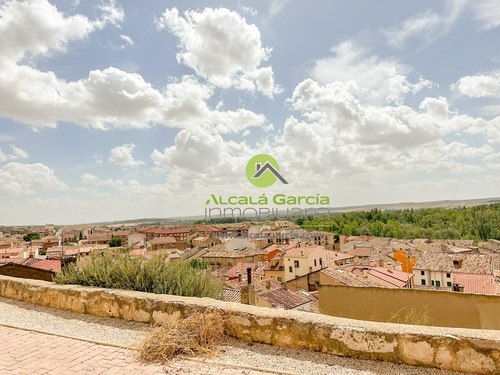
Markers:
<point>31,236</point>
<point>115,242</point>
<point>198,264</point>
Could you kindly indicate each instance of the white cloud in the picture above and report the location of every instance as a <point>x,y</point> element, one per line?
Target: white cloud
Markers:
<point>17,153</point>
<point>427,26</point>
<point>490,129</point>
<point>23,179</point>
<point>488,13</point>
<point>109,98</point>
<point>342,136</point>
<point>112,98</point>
<point>36,27</point>
<point>111,13</point>
<point>122,155</point>
<point>249,10</point>
<point>479,86</point>
<point>222,48</point>
<point>276,6</point>
<point>370,77</point>
<point>128,40</point>
<point>198,154</point>
<point>93,180</point>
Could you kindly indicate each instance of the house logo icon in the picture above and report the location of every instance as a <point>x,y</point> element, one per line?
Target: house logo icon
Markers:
<point>263,171</point>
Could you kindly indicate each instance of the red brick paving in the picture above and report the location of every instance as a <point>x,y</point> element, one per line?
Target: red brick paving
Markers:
<point>31,353</point>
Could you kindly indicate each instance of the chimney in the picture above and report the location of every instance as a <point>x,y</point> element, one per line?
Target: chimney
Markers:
<point>381,263</point>
<point>257,167</point>
<point>239,277</point>
<point>249,275</point>
<point>389,266</point>
<point>268,284</point>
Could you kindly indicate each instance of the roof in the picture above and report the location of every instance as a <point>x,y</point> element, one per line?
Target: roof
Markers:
<point>396,278</point>
<point>285,299</point>
<point>200,238</point>
<point>474,283</point>
<point>302,251</point>
<point>231,295</point>
<point>360,251</point>
<point>459,263</point>
<point>51,266</point>
<point>233,254</point>
<point>48,265</point>
<point>99,237</point>
<point>455,249</point>
<point>336,256</point>
<point>348,278</point>
<point>162,240</point>
<point>259,286</point>
<point>240,269</point>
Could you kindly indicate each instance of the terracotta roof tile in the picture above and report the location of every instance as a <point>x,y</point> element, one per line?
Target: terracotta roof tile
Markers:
<point>473,283</point>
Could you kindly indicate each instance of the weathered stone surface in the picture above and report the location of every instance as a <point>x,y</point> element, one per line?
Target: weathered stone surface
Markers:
<point>468,350</point>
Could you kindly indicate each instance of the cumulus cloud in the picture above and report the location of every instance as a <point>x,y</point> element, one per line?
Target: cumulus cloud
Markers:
<point>24,179</point>
<point>373,79</point>
<point>340,135</point>
<point>109,98</point>
<point>222,48</point>
<point>122,155</point>
<point>36,27</point>
<point>197,155</point>
<point>16,153</point>
<point>479,86</point>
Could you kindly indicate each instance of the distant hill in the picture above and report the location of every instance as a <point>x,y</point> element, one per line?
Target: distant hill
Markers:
<point>368,207</point>
<point>419,205</point>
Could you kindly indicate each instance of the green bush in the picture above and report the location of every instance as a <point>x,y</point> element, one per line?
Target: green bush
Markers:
<point>154,276</point>
<point>115,242</point>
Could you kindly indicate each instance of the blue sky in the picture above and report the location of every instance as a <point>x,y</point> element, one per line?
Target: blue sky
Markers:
<point>118,110</point>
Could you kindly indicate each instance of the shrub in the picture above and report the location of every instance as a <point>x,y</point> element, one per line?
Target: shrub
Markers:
<point>154,276</point>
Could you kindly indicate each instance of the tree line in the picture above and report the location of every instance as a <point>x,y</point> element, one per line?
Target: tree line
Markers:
<point>475,223</point>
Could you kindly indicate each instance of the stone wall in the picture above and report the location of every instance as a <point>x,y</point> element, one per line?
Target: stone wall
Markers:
<point>445,309</point>
<point>475,351</point>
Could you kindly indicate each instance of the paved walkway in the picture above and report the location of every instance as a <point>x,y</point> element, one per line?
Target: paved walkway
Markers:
<point>26,352</point>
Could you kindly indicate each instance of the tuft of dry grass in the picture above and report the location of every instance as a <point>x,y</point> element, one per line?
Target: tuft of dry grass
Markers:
<point>194,334</point>
<point>414,316</point>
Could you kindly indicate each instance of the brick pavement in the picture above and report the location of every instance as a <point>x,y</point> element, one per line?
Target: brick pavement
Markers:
<point>31,353</point>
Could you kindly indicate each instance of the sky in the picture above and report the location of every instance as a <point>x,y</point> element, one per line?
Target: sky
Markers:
<point>118,110</point>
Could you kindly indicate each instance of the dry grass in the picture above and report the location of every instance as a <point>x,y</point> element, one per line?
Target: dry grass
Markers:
<point>415,316</point>
<point>194,334</point>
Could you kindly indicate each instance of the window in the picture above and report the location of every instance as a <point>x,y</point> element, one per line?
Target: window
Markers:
<point>438,283</point>
<point>315,263</point>
<point>422,273</point>
<point>432,282</point>
<point>422,281</point>
<point>448,283</point>
<point>290,269</point>
<point>279,278</point>
<point>321,261</point>
<point>448,275</point>
<point>296,263</point>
